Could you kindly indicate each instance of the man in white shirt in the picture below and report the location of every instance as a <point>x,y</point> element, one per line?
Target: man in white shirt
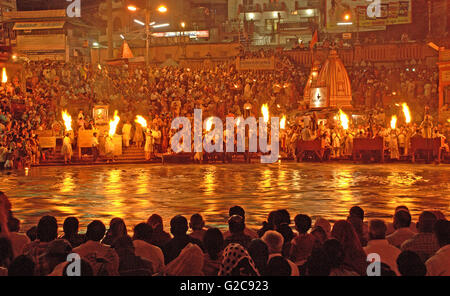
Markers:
<point>379,245</point>
<point>103,259</point>
<point>18,240</point>
<point>439,263</point>
<point>144,249</point>
<point>402,222</point>
<point>274,241</point>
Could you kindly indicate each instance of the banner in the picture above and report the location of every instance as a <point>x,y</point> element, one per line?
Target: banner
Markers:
<point>255,64</point>
<point>391,12</point>
<point>85,138</point>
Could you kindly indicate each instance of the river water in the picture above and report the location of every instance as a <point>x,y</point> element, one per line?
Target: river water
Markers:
<point>134,192</point>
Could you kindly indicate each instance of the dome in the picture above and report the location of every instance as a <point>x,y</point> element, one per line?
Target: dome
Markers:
<point>334,76</point>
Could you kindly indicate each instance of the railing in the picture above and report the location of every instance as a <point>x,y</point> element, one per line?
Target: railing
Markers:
<point>376,53</point>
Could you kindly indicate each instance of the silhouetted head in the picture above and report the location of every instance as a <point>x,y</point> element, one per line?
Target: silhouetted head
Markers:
<point>274,241</point>
<point>302,223</point>
<point>143,232</point>
<point>426,222</point>
<point>178,225</point>
<point>442,232</point>
<point>197,222</point>
<point>156,222</point>
<point>278,266</point>
<point>47,229</point>
<point>357,212</point>
<point>70,226</point>
<point>213,242</point>
<point>236,224</point>
<point>410,264</point>
<point>259,252</point>
<point>237,210</point>
<point>22,265</point>
<point>402,219</point>
<point>95,231</point>
<point>377,229</point>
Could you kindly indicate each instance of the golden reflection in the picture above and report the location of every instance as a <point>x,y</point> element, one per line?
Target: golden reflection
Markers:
<point>403,179</point>
<point>343,180</point>
<point>142,183</point>
<point>113,188</point>
<point>68,185</point>
<point>282,179</point>
<point>266,179</point>
<point>209,180</point>
<point>296,178</point>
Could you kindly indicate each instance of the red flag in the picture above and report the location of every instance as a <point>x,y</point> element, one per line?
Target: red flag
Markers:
<point>314,40</point>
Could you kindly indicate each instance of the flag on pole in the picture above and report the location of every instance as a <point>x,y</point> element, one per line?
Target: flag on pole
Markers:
<point>314,40</point>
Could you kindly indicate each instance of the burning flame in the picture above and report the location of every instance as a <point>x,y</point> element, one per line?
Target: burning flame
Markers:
<point>283,122</point>
<point>238,121</point>
<point>4,76</point>
<point>265,112</point>
<point>393,122</point>
<point>67,120</point>
<point>343,119</point>
<point>406,112</point>
<point>209,123</point>
<point>141,120</point>
<point>113,124</point>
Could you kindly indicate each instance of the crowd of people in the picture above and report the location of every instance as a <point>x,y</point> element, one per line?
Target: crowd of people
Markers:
<point>35,97</point>
<point>351,247</point>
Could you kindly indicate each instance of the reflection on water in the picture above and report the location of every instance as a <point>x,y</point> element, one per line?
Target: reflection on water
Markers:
<point>134,192</point>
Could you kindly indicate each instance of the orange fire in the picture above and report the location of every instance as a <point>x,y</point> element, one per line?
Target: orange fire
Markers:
<point>141,120</point>
<point>406,112</point>
<point>113,124</point>
<point>344,119</point>
<point>283,122</point>
<point>393,122</point>
<point>4,76</point>
<point>67,120</point>
<point>265,112</point>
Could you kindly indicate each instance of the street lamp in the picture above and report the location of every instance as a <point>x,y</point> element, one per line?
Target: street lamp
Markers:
<point>161,9</point>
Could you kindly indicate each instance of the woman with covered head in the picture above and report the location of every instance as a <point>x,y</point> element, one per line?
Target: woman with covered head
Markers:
<point>189,263</point>
<point>237,262</point>
<point>354,255</point>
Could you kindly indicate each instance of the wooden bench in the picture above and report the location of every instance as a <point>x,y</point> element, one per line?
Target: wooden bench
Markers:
<point>363,146</point>
<point>428,146</point>
<point>316,146</point>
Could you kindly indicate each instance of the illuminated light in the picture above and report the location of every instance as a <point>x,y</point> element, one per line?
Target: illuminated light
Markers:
<point>345,24</point>
<point>235,86</point>
<point>152,23</point>
<point>251,16</point>
<point>139,22</point>
<point>141,120</point>
<point>406,112</point>
<point>161,25</point>
<point>278,106</point>
<point>95,44</point>
<point>394,93</point>
<point>132,8</point>
<point>283,122</point>
<point>14,57</point>
<point>67,120</point>
<point>4,76</point>
<point>209,123</point>
<point>121,36</point>
<point>393,122</point>
<point>162,9</point>
<point>309,11</point>
<point>343,119</point>
<point>314,73</point>
<point>347,17</point>
<point>113,124</point>
<point>238,121</point>
<point>183,24</point>
<point>99,67</point>
<point>265,112</point>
